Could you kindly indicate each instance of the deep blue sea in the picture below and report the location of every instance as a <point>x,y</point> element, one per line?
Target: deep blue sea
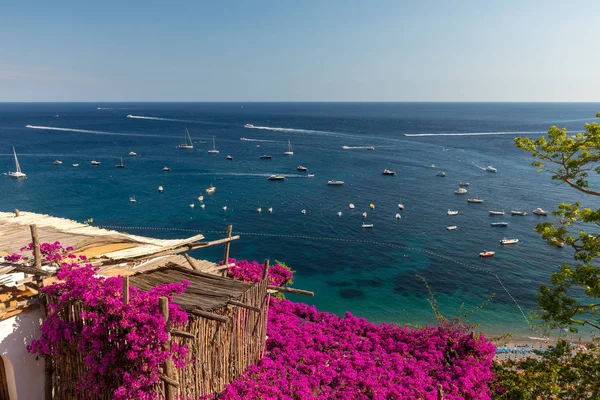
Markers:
<point>369,272</point>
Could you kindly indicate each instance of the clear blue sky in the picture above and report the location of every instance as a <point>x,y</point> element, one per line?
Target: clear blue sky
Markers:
<point>305,50</point>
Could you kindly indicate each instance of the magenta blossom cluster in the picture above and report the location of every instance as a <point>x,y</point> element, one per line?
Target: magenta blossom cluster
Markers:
<point>313,354</point>
<point>122,344</point>
<point>52,253</point>
<point>251,271</point>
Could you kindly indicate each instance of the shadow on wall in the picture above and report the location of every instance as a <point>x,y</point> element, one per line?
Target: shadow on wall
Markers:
<point>24,371</point>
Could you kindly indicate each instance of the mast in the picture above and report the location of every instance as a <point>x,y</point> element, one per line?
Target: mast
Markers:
<point>214,147</point>
<point>289,146</point>
<point>188,137</point>
<point>17,166</point>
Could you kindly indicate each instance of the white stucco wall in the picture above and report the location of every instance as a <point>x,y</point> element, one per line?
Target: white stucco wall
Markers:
<point>27,372</point>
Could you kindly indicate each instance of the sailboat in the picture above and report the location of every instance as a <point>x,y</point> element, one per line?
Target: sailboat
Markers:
<point>121,165</point>
<point>214,149</point>
<point>17,174</point>
<point>186,145</point>
<point>289,152</point>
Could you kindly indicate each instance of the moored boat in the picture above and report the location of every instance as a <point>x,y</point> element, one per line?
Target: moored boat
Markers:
<point>289,151</point>
<point>301,168</point>
<point>351,206</point>
<point>211,189</point>
<point>335,183</point>
<point>161,189</point>
<point>132,153</point>
<point>474,200</point>
<point>451,228</point>
<point>367,225</point>
<point>76,165</point>
<point>441,174</point>
<point>487,254</point>
<point>432,166</point>
<point>166,169</point>
<point>120,165</point>
<point>489,168</point>
<point>18,173</point>
<point>539,211</point>
<point>214,149</point>
<point>95,162</point>
<point>450,212</point>
<point>188,141</point>
<point>229,158</point>
<point>461,191</point>
<point>398,216</point>
<point>499,224</point>
<point>401,206</point>
<point>492,212</point>
<point>521,213</point>
<point>57,162</point>
<point>464,184</point>
<point>132,199</point>
<point>509,241</point>
<point>388,172</point>
<point>266,157</point>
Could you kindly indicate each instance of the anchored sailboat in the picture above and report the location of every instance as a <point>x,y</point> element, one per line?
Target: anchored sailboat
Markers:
<point>290,152</point>
<point>187,145</point>
<point>18,173</point>
<point>214,149</point>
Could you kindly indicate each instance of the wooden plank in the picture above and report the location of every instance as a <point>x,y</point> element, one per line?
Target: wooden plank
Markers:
<point>32,270</point>
<point>126,290</point>
<point>177,332</point>
<point>168,381</point>
<point>190,261</point>
<point>244,305</point>
<point>209,315</point>
<point>291,290</point>
<point>163,303</point>
<point>37,255</point>
<point>227,245</point>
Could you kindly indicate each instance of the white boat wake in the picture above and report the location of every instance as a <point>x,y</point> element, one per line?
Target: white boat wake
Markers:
<point>190,121</point>
<point>471,134</point>
<point>53,128</point>
<point>308,131</point>
<point>259,140</point>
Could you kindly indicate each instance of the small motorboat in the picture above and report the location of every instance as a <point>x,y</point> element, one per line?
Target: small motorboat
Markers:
<point>345,147</point>
<point>461,191</point>
<point>364,214</point>
<point>229,158</point>
<point>521,213</point>
<point>192,205</point>
<point>451,227</point>
<point>492,212</point>
<point>270,209</point>
<point>248,126</point>
<point>487,254</point>
<point>339,213</point>
<point>259,210</point>
<point>202,206</point>
<point>121,165</point>
<point>95,162</point>
<point>372,206</point>
<point>160,189</point>
<point>489,168</point>
<point>509,241</point>
<point>464,184</point>
<point>450,212</point>
<point>166,169</point>
<point>367,225</point>
<point>266,157</point>
<point>76,165</point>
<point>132,199</point>
<point>432,166</point>
<point>276,178</point>
<point>401,207</point>
<point>301,168</point>
<point>200,198</point>
<point>133,154</point>
<point>351,206</point>
<point>499,224</point>
<point>441,174</point>
<point>539,211</point>
<point>388,172</point>
<point>398,216</point>
<point>243,138</point>
<point>475,200</point>
<point>335,183</point>
<point>57,162</point>
<point>370,148</point>
<point>211,189</point>
<point>303,212</point>
<point>224,208</point>
<point>310,175</point>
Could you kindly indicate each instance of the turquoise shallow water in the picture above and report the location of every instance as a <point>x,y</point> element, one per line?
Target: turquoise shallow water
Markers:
<point>370,272</point>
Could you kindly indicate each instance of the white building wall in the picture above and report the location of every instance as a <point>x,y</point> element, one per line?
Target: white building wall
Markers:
<point>25,374</point>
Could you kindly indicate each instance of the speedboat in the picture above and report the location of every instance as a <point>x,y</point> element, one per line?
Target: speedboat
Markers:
<point>441,174</point>
<point>351,206</point>
<point>76,165</point>
<point>95,162</point>
<point>266,157</point>
<point>303,212</point>
<point>464,184</point>
<point>367,225</point>
<point>276,178</point>
<point>491,169</point>
<point>270,209</point>
<point>492,212</point>
<point>539,211</point>
<point>202,206</point>
<point>388,172</point>
<point>475,200</point>
<point>259,210</point>
<point>461,191</point>
<point>335,183</point>
<point>451,228</point>
<point>160,189</point>
<point>224,208</point>
<point>345,147</point>
<point>509,241</point>
<point>364,214</point>
<point>450,212</point>
<point>229,158</point>
<point>57,162</point>
<point>243,138</point>
<point>133,154</point>
<point>166,169</point>
<point>248,126</point>
<point>301,168</point>
<point>401,206</point>
<point>432,166</point>
<point>211,189</point>
<point>487,254</point>
<point>522,213</point>
<point>370,148</point>
<point>500,224</point>
<point>192,205</point>
<point>398,216</point>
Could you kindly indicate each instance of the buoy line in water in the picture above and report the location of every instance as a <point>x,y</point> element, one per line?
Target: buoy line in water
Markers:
<point>399,246</point>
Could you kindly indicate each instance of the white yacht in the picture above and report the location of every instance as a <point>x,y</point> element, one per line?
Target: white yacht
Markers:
<point>214,149</point>
<point>76,165</point>
<point>211,189</point>
<point>398,216</point>
<point>401,207</point>
<point>96,163</point>
<point>492,212</point>
<point>539,211</point>
<point>450,212</point>
<point>509,241</point>
<point>132,153</point>
<point>166,169</point>
<point>491,169</point>
<point>289,151</point>
<point>461,190</point>
<point>188,141</point>
<point>57,162</point>
<point>160,189</point>
<point>18,173</point>
<point>451,228</point>
<point>351,206</point>
<point>345,147</point>
<point>367,225</point>
<point>475,200</point>
<point>249,126</point>
<point>192,205</point>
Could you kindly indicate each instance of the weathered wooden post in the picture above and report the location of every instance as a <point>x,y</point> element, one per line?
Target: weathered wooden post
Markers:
<point>17,213</point>
<point>36,246</point>
<point>167,376</point>
<point>266,269</point>
<point>126,289</point>
<point>227,245</point>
